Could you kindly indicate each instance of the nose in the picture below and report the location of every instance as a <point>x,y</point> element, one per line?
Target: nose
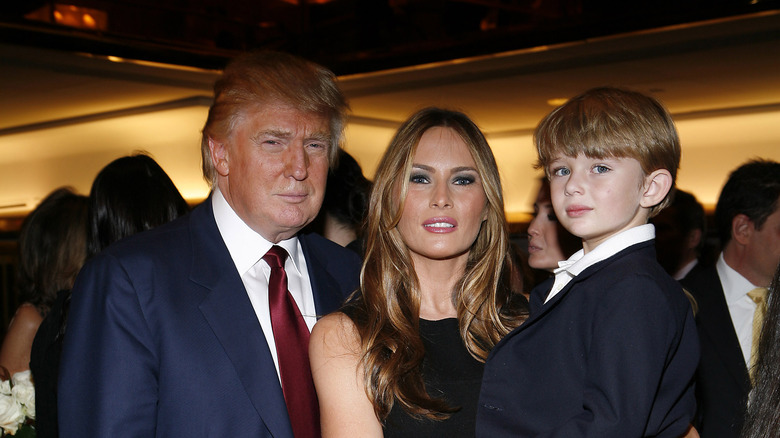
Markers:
<point>296,162</point>
<point>573,184</point>
<point>441,196</point>
<point>533,229</point>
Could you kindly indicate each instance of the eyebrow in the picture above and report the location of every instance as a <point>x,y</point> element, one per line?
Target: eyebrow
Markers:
<point>317,136</point>
<point>453,170</point>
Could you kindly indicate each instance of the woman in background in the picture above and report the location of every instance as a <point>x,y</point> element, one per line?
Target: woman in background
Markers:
<point>404,357</point>
<point>549,243</point>
<point>51,251</point>
<point>131,194</point>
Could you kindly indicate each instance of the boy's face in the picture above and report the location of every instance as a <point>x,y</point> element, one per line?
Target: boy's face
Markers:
<point>597,198</point>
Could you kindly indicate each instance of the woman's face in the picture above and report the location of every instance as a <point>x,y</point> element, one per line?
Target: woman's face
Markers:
<point>445,204</point>
<point>544,248</point>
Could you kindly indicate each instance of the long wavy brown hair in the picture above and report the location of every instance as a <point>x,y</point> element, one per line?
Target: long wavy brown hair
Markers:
<point>386,309</point>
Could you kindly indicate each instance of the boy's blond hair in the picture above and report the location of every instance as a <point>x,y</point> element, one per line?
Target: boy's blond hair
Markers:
<point>611,122</point>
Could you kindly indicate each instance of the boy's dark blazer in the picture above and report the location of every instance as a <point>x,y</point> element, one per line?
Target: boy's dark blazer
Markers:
<point>611,355</point>
<point>722,380</point>
<point>162,339</point>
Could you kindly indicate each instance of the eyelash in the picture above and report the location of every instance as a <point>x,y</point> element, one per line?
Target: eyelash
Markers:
<point>458,180</point>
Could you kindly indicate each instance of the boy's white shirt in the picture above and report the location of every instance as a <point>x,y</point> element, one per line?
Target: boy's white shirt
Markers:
<point>579,261</point>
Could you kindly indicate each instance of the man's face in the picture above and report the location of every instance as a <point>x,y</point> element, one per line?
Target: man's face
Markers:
<point>764,253</point>
<point>273,167</point>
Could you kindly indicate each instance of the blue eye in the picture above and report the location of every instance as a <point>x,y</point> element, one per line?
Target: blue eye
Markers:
<point>600,168</point>
<point>561,171</point>
<point>463,180</point>
<point>417,178</point>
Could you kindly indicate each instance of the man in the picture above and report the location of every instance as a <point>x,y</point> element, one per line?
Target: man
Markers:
<point>748,221</point>
<point>679,234</point>
<point>175,332</point>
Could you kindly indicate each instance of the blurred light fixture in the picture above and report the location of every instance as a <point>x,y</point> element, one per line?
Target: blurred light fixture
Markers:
<point>557,101</point>
<point>80,17</point>
<point>71,15</point>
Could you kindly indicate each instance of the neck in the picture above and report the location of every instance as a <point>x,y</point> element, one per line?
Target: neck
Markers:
<point>338,232</point>
<point>438,279</point>
<point>737,257</point>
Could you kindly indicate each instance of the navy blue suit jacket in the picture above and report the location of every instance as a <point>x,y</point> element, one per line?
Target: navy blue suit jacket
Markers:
<point>613,354</point>
<point>722,380</point>
<point>163,341</point>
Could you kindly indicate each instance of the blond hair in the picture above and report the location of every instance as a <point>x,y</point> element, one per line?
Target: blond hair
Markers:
<point>257,78</point>
<point>611,122</point>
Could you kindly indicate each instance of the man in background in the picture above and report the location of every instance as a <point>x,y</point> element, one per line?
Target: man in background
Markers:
<point>680,230</point>
<point>731,294</point>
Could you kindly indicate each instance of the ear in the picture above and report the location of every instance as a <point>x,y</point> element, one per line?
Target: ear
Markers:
<point>742,229</point>
<point>219,156</point>
<point>657,185</point>
<point>693,239</point>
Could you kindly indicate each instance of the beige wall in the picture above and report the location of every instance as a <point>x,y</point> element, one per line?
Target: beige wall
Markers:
<point>712,147</point>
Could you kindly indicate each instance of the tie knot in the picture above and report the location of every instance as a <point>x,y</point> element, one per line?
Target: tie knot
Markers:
<point>275,257</point>
<point>758,295</point>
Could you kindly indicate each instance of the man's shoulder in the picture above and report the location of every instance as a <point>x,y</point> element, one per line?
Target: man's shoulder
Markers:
<point>326,250</point>
<point>168,242</point>
<point>700,280</point>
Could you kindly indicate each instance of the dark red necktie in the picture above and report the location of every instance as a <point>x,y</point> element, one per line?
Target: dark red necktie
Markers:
<point>291,336</point>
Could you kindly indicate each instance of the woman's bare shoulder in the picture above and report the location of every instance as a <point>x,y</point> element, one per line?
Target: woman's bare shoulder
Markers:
<point>27,317</point>
<point>334,334</point>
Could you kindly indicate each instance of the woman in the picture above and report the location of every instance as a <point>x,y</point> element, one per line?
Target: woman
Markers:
<point>404,357</point>
<point>131,194</point>
<point>51,252</point>
<point>548,241</point>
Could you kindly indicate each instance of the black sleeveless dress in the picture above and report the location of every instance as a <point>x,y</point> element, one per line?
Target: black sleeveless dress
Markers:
<point>449,372</point>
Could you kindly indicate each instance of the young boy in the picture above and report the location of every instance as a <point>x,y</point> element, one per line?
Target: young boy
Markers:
<point>610,348</point>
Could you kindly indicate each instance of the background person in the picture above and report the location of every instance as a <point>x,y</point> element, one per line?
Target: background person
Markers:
<point>680,232</point>
<point>548,242</point>
<point>343,213</point>
<point>52,248</point>
<point>747,217</point>
<point>762,419</point>
<point>131,194</point>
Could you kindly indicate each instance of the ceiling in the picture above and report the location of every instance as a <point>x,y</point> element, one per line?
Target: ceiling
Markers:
<point>65,113</point>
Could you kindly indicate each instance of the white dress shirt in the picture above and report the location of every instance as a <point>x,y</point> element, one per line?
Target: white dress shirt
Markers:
<point>679,275</point>
<point>247,248</point>
<point>579,261</point>
<point>741,307</point>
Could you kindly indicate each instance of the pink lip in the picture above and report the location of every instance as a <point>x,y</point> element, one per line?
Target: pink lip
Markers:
<point>577,210</point>
<point>440,225</point>
<point>533,248</point>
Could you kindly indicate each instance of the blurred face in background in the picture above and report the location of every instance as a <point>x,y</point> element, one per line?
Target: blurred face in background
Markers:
<point>544,247</point>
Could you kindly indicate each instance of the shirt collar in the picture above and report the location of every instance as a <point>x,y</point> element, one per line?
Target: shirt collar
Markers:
<point>579,261</point>
<point>735,286</point>
<point>244,244</point>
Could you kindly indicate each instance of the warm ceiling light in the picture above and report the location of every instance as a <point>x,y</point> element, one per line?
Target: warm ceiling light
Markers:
<point>80,17</point>
<point>88,21</point>
<point>557,101</point>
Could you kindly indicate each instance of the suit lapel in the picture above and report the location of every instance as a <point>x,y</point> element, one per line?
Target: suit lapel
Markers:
<point>715,320</point>
<point>325,288</point>
<point>229,312</point>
